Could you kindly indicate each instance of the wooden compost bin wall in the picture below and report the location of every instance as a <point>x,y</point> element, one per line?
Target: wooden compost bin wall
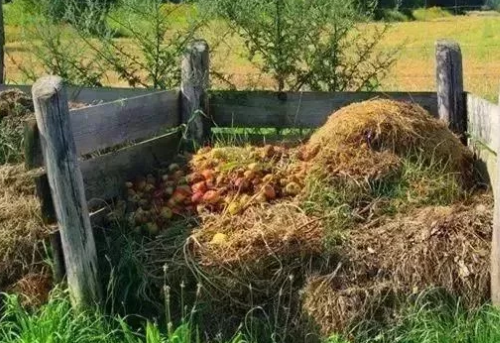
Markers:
<point>145,118</point>
<point>295,109</point>
<point>484,134</point>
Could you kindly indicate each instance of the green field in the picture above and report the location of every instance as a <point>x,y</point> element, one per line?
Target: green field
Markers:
<point>414,70</point>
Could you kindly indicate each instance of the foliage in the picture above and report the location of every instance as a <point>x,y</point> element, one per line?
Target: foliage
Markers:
<point>426,14</point>
<point>434,317</point>
<point>59,10</point>
<point>151,55</point>
<point>57,322</point>
<point>89,52</point>
<point>57,51</point>
<point>390,15</point>
<point>319,45</point>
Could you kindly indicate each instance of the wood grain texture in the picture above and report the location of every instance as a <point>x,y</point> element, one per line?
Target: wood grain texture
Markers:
<point>92,96</point>
<point>495,243</point>
<point>295,109</point>
<point>66,185</point>
<point>33,156</point>
<point>484,140</point>
<point>194,87</point>
<point>109,124</point>
<point>105,176</point>
<point>483,122</point>
<point>450,86</point>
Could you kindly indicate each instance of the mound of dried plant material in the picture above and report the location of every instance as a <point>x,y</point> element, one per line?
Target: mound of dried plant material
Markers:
<point>444,247</point>
<point>20,224</point>
<point>368,139</point>
<point>260,233</point>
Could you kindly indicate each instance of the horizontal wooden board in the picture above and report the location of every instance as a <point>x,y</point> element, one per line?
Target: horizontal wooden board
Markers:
<point>104,177</point>
<point>295,109</point>
<point>483,121</point>
<point>91,96</point>
<point>103,126</point>
<point>112,123</point>
<point>483,132</point>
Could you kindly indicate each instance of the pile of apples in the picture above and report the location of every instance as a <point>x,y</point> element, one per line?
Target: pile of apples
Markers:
<point>213,181</point>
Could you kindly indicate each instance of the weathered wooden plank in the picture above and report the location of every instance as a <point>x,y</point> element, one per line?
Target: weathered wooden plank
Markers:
<point>450,86</point>
<point>483,133</point>
<point>109,124</point>
<point>294,109</point>
<point>495,242</point>
<point>92,96</point>
<point>194,87</point>
<point>105,176</point>
<point>33,156</point>
<point>66,185</point>
<point>483,121</point>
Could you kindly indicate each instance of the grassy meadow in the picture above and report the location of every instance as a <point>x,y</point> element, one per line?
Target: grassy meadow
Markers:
<point>413,71</point>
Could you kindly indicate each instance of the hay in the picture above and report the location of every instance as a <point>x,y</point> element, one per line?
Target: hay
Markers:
<point>33,289</point>
<point>444,247</point>
<point>381,132</point>
<point>21,228</point>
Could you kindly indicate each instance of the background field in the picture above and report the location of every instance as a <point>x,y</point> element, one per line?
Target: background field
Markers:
<point>413,71</point>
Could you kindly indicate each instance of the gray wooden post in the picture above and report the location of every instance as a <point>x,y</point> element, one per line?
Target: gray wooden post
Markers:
<point>495,242</point>
<point>194,87</point>
<point>450,86</point>
<point>66,185</point>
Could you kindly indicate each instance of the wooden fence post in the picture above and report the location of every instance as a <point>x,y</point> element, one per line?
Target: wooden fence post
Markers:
<point>66,185</point>
<point>194,87</point>
<point>495,242</point>
<point>450,86</point>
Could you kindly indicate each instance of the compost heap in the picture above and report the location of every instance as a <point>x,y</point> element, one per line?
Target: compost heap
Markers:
<point>255,227</point>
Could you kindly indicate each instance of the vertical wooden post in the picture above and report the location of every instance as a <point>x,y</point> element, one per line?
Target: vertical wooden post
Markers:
<point>2,46</point>
<point>450,86</point>
<point>495,242</point>
<point>66,185</point>
<point>194,87</point>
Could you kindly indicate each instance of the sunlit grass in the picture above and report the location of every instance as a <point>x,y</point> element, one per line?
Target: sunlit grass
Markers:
<point>414,70</point>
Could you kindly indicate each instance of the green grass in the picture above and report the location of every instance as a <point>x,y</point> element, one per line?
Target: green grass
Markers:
<point>57,322</point>
<point>432,317</point>
<point>436,318</point>
<point>433,13</point>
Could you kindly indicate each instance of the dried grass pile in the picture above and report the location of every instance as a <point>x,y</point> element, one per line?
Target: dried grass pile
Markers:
<point>21,228</point>
<point>444,247</point>
<point>275,231</point>
<point>369,139</point>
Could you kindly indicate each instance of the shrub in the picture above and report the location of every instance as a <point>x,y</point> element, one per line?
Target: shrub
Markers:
<point>426,14</point>
<point>317,45</point>
<point>392,16</point>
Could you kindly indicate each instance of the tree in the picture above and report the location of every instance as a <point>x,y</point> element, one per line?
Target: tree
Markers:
<point>309,44</point>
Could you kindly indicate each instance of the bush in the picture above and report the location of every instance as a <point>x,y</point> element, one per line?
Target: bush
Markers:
<point>320,45</point>
<point>427,14</point>
<point>388,15</point>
